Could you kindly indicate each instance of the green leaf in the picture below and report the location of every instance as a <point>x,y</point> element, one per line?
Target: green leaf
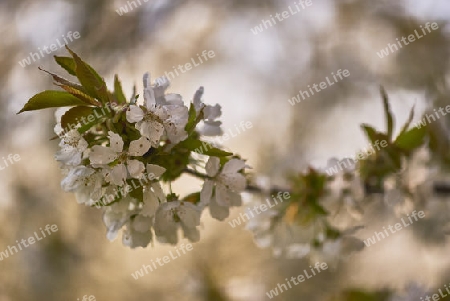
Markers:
<point>408,122</point>
<point>82,115</point>
<point>204,148</point>
<point>51,99</point>
<point>411,139</point>
<point>216,152</point>
<point>67,63</point>
<point>387,113</point>
<point>118,92</point>
<point>371,133</point>
<point>174,162</point>
<point>64,81</point>
<point>136,192</point>
<point>134,96</point>
<point>191,119</point>
<point>80,95</point>
<point>88,126</point>
<point>89,78</point>
<point>392,159</point>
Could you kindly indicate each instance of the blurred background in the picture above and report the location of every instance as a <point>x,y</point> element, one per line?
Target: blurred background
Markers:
<point>252,76</point>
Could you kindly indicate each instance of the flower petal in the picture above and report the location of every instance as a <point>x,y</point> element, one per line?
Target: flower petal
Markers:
<point>151,129</point>
<point>212,166</point>
<point>233,166</point>
<point>174,99</point>
<point>211,128</point>
<point>115,141</point>
<point>113,222</point>
<point>197,101</point>
<point>141,223</point>
<point>69,156</point>
<point>206,193</point>
<point>193,234</point>
<point>117,175</point>
<point>139,147</point>
<point>154,171</point>
<point>149,94</point>
<point>233,181</point>
<point>151,203</point>
<point>135,168</point>
<point>156,187</point>
<point>134,114</point>
<point>212,112</point>
<point>102,155</point>
<point>133,239</point>
<point>226,197</point>
<point>189,214</point>
<point>218,212</point>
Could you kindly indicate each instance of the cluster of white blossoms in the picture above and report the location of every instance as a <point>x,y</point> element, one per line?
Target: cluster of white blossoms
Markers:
<point>320,237</point>
<point>333,236</point>
<point>131,151</point>
<point>125,157</point>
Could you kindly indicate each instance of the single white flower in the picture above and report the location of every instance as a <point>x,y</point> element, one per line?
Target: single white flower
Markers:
<point>159,91</point>
<point>114,221</point>
<point>223,189</point>
<point>332,251</point>
<point>103,155</point>
<point>72,146</point>
<point>137,232</point>
<point>59,112</point>
<point>85,182</point>
<point>172,215</point>
<point>161,113</point>
<point>211,126</point>
<point>118,214</point>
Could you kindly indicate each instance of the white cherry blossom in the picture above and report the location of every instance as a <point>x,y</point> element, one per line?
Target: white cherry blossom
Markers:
<point>72,146</point>
<point>223,188</point>
<point>103,155</point>
<point>137,232</point>
<point>114,221</point>
<point>160,114</point>
<point>211,126</point>
<point>85,182</point>
<point>171,216</point>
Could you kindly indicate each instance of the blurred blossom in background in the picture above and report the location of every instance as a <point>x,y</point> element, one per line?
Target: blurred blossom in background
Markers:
<point>251,77</point>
